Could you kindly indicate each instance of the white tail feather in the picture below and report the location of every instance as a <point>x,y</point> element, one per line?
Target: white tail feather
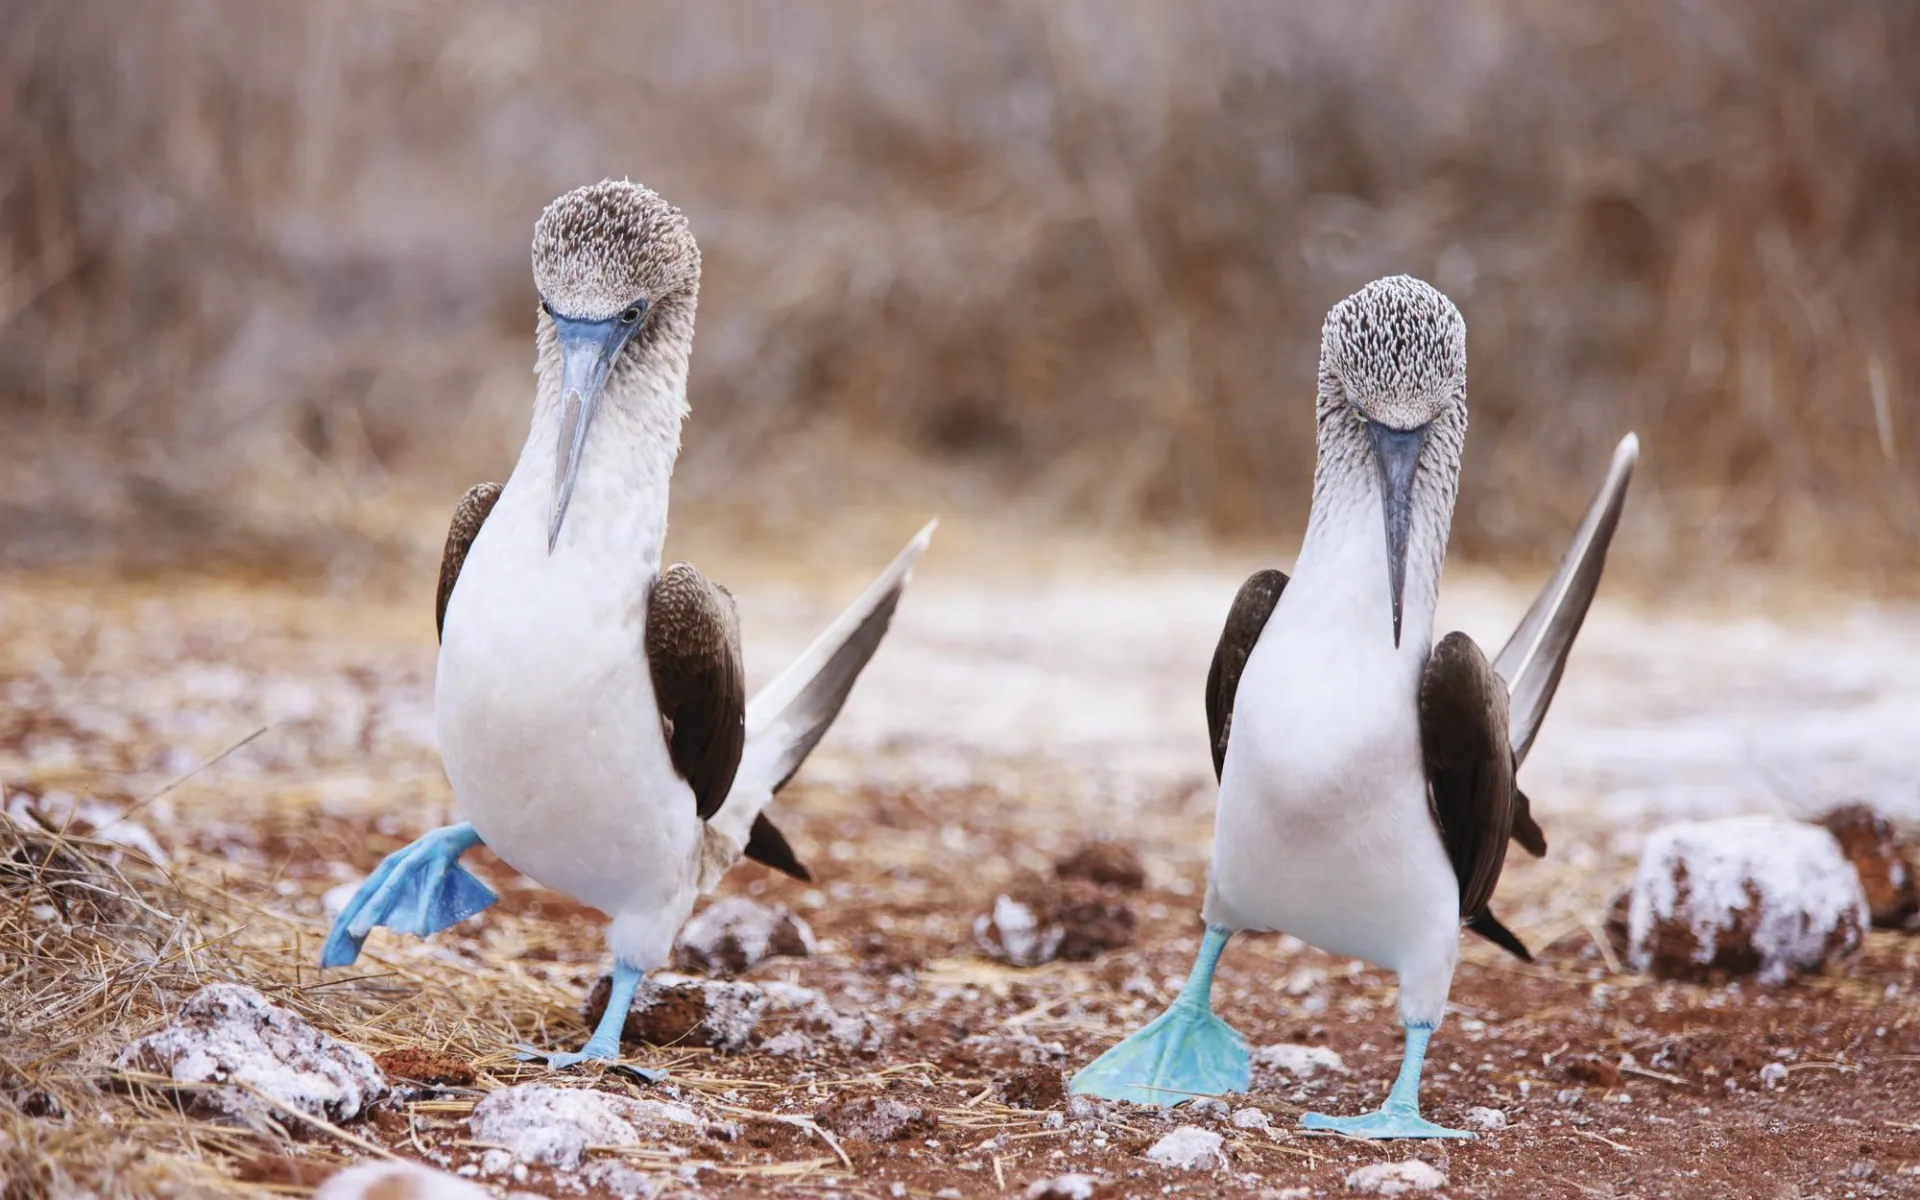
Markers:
<point>1534,656</point>
<point>789,716</point>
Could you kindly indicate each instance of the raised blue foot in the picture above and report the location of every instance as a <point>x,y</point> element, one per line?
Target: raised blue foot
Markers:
<point>604,1045</point>
<point>1183,1054</point>
<point>1400,1116</point>
<point>418,889</point>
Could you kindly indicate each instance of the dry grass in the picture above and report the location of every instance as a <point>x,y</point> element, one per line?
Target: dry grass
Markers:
<point>1077,254</point>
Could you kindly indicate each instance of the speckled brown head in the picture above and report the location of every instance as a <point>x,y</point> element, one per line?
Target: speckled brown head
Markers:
<point>619,276</point>
<point>1397,351</point>
<point>1393,387</point>
<point>607,247</point>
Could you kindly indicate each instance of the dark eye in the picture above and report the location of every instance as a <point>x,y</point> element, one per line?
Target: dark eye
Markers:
<point>545,307</point>
<point>630,316</point>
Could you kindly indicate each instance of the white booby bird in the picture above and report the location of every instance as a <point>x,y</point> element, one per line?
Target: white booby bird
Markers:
<point>1366,775</point>
<point>591,705</point>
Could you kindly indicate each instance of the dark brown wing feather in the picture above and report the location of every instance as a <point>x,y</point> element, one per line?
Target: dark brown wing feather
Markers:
<point>768,846</point>
<point>1463,734</point>
<point>468,517</point>
<point>693,653</point>
<point>1252,605</point>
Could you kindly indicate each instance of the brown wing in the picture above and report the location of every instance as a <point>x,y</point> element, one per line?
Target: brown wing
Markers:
<point>1252,605</point>
<point>1463,735</point>
<point>468,517</point>
<point>693,653</point>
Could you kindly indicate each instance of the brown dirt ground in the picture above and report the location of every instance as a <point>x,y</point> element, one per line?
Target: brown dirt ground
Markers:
<point>903,870</point>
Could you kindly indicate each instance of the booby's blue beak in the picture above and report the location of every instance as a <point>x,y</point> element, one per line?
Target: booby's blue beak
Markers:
<point>588,350</point>
<point>1396,452</point>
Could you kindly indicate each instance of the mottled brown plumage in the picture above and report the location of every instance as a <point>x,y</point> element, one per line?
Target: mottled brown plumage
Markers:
<point>1252,605</point>
<point>1470,766</point>
<point>699,682</point>
<point>468,516</point>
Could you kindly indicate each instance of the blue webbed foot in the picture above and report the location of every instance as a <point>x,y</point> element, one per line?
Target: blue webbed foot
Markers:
<point>1183,1054</point>
<point>418,889</point>
<point>604,1045</point>
<point>1383,1122</point>
<point>1400,1116</point>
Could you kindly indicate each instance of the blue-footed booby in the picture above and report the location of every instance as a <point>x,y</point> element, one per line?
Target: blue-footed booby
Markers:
<point>1366,775</point>
<point>591,704</point>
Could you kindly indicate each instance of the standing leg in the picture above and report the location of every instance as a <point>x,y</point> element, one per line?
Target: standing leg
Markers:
<point>1400,1116</point>
<point>604,1045</point>
<point>1184,1054</point>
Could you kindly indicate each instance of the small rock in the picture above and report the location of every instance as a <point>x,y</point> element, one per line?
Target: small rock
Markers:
<point>1211,1107</point>
<point>537,1123</point>
<point>1590,1069</point>
<point>1066,1187</point>
<point>876,1119</point>
<point>1035,1088</point>
<point>1086,1108</point>
<point>1486,1118</point>
<point>737,932</point>
<point>1189,1148</point>
<point>397,1181</point>
<point>1039,920</point>
<point>1744,895</point>
<point>722,1016</point>
<point>1886,873</point>
<point>1287,1193</point>
<point>1773,1075</point>
<point>1252,1118</point>
<point>1394,1179</point>
<point>1104,862</point>
<point>229,1034</point>
<point>615,1178</point>
<point>1301,1062</point>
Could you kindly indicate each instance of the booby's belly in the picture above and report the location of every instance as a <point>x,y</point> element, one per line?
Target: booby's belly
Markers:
<point>549,729</point>
<point>1323,829</point>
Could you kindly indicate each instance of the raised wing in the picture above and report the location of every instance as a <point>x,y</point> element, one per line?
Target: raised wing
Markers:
<point>693,653</point>
<point>468,517</point>
<point>1463,737</point>
<point>790,715</point>
<point>1252,605</point>
<point>1536,654</point>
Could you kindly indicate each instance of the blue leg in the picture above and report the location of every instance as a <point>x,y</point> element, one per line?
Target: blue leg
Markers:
<point>1400,1116</point>
<point>418,889</point>
<point>1185,1053</point>
<point>604,1045</point>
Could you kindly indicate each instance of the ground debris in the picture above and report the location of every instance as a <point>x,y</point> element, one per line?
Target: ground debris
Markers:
<point>398,1181</point>
<point>1396,1178</point>
<point>427,1067</point>
<point>1034,1087</point>
<point>1104,861</point>
<point>1301,1062</point>
<point>553,1126</point>
<point>876,1119</point>
<point>735,933</point>
<point>1068,1187</point>
<point>1886,872</point>
<point>1745,896</point>
<point>1040,920</point>
<point>227,1034</point>
<point>1189,1148</point>
<point>722,1016</point>
<point>1480,1117</point>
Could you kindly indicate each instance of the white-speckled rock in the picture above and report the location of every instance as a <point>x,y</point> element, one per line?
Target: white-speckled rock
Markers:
<point>1747,895</point>
<point>230,1035</point>
<point>398,1181</point>
<point>1189,1148</point>
<point>1395,1178</point>
<point>536,1123</point>
<point>1301,1062</point>
<point>1486,1118</point>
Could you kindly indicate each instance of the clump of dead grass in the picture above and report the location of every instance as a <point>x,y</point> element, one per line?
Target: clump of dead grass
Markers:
<point>1078,253</point>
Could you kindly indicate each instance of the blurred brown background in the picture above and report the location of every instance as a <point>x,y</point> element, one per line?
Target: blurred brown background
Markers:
<point>264,294</point>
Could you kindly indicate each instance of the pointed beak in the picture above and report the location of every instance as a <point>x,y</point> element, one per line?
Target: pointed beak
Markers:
<point>1396,452</point>
<point>588,350</point>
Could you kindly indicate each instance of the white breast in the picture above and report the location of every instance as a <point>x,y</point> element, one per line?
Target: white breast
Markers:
<point>1323,828</point>
<point>546,715</point>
